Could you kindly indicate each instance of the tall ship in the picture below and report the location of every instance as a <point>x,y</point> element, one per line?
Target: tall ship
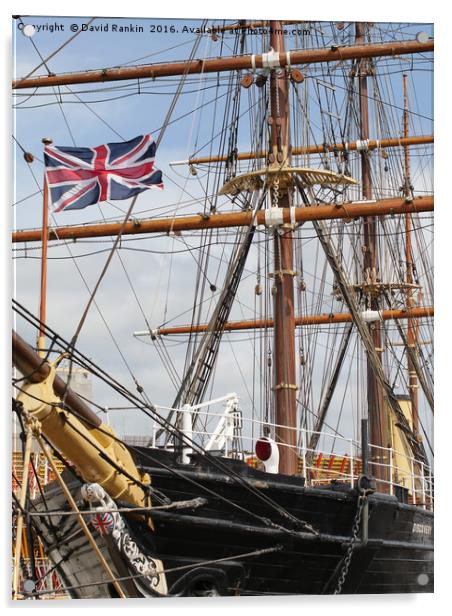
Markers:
<point>247,289</point>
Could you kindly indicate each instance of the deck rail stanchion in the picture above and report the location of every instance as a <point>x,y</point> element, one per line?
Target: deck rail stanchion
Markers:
<point>391,472</point>
<point>424,504</point>
<point>303,453</point>
<point>154,434</point>
<point>413,481</point>
<point>352,472</point>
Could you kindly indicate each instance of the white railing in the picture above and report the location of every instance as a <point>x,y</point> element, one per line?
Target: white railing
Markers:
<point>412,475</point>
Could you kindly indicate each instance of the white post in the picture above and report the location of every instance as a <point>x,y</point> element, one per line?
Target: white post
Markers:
<point>351,463</point>
<point>413,482</point>
<point>187,430</point>
<point>423,485</point>
<point>430,489</point>
<point>303,454</point>
<point>226,436</point>
<point>391,471</point>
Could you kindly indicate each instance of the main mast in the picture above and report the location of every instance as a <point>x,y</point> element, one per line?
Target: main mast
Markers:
<point>285,388</point>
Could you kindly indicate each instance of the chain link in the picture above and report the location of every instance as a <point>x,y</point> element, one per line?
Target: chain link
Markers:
<point>277,77</point>
<point>351,545</point>
<point>275,189</point>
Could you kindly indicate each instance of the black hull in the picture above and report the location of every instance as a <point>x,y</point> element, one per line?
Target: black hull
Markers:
<point>398,557</point>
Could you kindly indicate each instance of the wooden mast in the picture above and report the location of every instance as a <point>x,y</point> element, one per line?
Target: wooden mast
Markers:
<point>44,242</point>
<point>285,388</point>
<point>411,327</point>
<point>375,401</point>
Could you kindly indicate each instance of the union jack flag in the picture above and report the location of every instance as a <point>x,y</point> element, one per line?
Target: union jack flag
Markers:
<point>78,177</point>
<point>103,523</point>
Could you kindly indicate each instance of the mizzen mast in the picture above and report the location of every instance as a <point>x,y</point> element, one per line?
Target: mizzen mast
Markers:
<point>411,327</point>
<point>377,414</point>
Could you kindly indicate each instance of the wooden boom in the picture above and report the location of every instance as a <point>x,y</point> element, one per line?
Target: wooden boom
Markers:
<point>382,207</point>
<point>316,149</point>
<point>313,319</point>
<point>218,65</point>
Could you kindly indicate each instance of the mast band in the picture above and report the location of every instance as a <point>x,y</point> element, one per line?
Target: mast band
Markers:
<point>271,59</point>
<point>362,145</point>
<point>274,216</point>
<point>283,272</point>
<point>285,386</point>
<point>253,62</point>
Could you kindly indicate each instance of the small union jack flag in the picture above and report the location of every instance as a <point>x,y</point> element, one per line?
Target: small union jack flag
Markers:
<point>103,523</point>
<point>78,177</point>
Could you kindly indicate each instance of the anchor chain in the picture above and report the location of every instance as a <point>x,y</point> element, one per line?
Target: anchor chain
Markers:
<point>351,545</point>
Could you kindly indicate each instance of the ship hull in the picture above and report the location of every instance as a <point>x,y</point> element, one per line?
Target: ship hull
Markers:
<point>235,544</point>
